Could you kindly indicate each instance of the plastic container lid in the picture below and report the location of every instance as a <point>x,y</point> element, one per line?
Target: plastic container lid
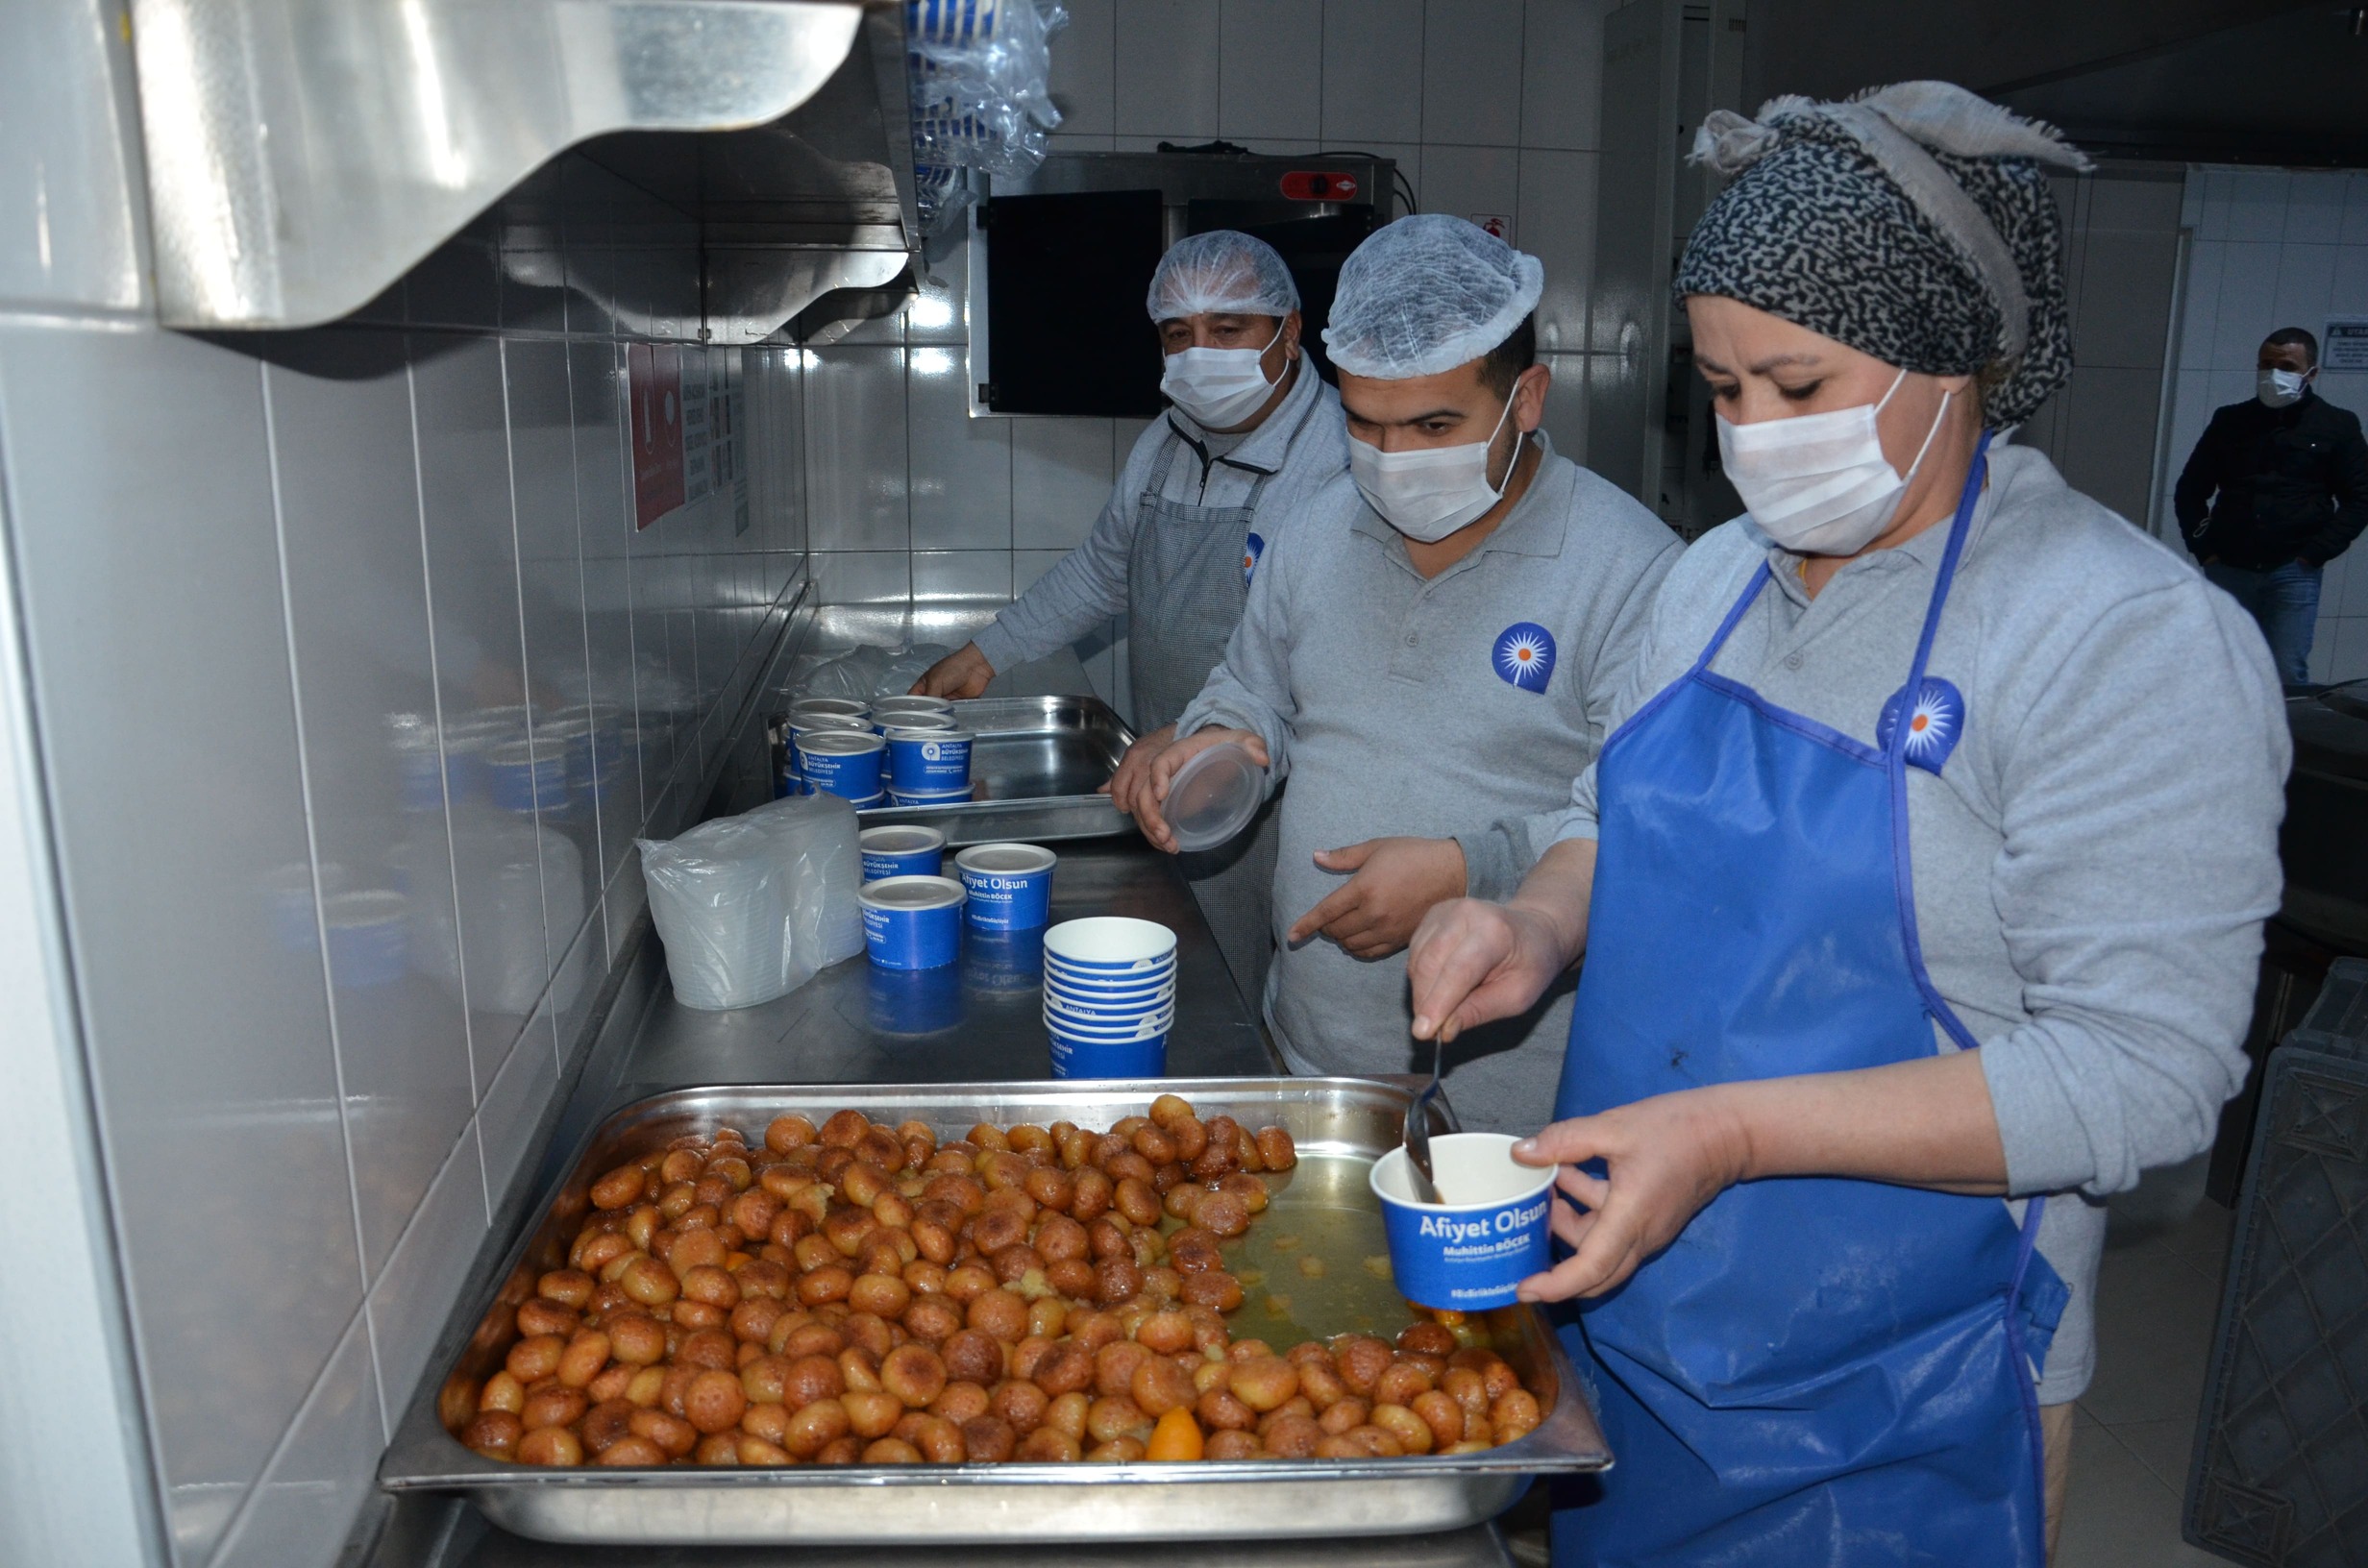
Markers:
<point>839,743</point>
<point>900,839</point>
<point>1214,795</point>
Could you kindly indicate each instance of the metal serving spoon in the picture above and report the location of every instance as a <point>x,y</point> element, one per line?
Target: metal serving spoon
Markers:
<point>1419,1128</point>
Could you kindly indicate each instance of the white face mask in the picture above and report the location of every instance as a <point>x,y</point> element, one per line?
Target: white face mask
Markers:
<point>1219,389</point>
<point>1427,493</point>
<point>1818,484</point>
<point>2281,388</point>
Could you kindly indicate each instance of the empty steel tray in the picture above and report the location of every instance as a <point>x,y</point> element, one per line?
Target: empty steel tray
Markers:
<point>1357,1119</point>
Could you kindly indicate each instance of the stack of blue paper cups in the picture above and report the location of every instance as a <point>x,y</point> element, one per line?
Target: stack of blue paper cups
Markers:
<point>1109,996</point>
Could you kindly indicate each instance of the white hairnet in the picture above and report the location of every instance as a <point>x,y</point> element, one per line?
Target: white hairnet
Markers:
<point>1221,270</point>
<point>1425,294</point>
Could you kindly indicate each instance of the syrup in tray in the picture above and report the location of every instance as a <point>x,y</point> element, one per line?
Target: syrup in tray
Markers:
<point>1316,1263</point>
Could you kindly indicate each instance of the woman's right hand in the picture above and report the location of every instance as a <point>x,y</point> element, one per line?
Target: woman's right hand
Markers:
<point>1472,961</point>
<point>962,674</point>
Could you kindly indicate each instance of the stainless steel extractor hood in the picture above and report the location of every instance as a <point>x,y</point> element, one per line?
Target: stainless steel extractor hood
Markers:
<point>304,153</point>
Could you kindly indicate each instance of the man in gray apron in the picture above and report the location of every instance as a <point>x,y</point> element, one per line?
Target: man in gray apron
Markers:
<point>1428,646</point>
<point>1253,434</point>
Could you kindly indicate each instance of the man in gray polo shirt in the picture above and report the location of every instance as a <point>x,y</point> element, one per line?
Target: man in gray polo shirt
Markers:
<point>1429,651</point>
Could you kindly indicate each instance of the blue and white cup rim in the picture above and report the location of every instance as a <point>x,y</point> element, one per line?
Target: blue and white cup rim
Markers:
<point>839,743</point>
<point>1109,1036</point>
<point>902,894</point>
<point>1086,990</point>
<point>1033,859</point>
<point>899,839</point>
<point>912,702</point>
<point>914,724</point>
<point>1132,974</point>
<point>1105,1017</point>
<point>833,707</point>
<point>1110,941</point>
<point>1388,1177</point>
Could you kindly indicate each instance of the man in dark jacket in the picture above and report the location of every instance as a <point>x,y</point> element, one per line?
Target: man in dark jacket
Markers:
<point>2276,489</point>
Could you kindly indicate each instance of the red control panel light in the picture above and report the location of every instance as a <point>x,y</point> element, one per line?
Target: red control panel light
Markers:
<point>1319,185</point>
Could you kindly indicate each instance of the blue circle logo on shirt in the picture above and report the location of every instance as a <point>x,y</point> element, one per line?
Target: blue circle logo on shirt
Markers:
<point>1935,722</point>
<point>1524,656</point>
<point>1252,549</point>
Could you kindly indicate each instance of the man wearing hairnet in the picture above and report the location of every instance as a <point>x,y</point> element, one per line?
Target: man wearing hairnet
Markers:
<point>1253,434</point>
<point>1428,653</point>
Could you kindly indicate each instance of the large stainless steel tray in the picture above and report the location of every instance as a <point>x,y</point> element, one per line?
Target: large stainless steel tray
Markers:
<point>1036,764</point>
<point>910,1504</point>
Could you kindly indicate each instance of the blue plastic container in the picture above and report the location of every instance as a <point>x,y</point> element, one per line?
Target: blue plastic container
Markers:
<point>1467,1254</point>
<point>793,771</point>
<point>842,762</point>
<point>1073,1057</point>
<point>1010,885</point>
<point>928,761</point>
<point>903,849</point>
<point>912,923</point>
<point>897,797</point>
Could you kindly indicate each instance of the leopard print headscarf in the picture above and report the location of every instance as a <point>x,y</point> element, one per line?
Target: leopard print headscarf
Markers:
<point>1913,223</point>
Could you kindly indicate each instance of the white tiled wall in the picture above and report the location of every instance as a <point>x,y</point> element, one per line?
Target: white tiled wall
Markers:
<point>2273,248</point>
<point>1490,107</point>
<point>246,566</point>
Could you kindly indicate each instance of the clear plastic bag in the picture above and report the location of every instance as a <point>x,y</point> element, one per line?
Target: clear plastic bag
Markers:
<point>977,81</point>
<point>750,907</point>
<point>868,673</point>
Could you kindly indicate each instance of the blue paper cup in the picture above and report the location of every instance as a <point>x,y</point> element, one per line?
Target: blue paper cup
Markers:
<point>785,730</point>
<point>842,762</point>
<point>948,798</point>
<point>837,707</point>
<point>928,761</point>
<point>1109,946</point>
<point>1467,1254</point>
<point>912,923</point>
<point>1073,1057</point>
<point>1010,885</point>
<point>1108,1015</point>
<point>886,709</point>
<point>901,850</point>
<point>1099,982</point>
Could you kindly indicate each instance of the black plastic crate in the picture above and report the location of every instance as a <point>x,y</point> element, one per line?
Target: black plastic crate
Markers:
<point>2280,1475</point>
<point>2337,1022</point>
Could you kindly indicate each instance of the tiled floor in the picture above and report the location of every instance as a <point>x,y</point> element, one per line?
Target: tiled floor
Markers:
<point>2156,1298</point>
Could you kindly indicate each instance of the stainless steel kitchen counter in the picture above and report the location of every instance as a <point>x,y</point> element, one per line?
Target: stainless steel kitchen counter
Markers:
<point>979,1019</point>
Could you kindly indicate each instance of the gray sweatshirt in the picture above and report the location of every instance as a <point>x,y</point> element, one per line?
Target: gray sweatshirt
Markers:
<point>1387,699</point>
<point>2093,862</point>
<point>1089,585</point>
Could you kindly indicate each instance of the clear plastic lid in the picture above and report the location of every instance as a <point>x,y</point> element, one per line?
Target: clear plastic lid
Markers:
<point>1214,795</point>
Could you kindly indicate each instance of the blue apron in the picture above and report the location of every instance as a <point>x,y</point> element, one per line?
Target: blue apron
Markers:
<point>1817,1370</point>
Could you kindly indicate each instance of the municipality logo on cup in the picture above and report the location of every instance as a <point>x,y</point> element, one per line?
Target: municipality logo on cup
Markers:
<point>929,751</point>
<point>1468,1253</point>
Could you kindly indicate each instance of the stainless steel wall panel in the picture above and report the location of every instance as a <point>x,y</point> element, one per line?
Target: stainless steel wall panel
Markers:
<point>1166,69</point>
<point>1562,74</point>
<point>71,235</point>
<point>522,1090</point>
<point>960,466</point>
<point>410,1295</point>
<point>542,474</point>
<point>604,536</point>
<point>1373,61</point>
<point>1554,220</point>
<point>1472,72</point>
<point>969,576</point>
<point>1061,474</point>
<point>358,612</point>
<point>1270,87</point>
<point>140,511</point>
<point>855,448</point>
<point>532,259</point>
<point>498,855</point>
<point>320,1478</point>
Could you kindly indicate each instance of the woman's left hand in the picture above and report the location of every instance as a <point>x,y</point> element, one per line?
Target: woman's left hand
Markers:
<point>1665,1158</point>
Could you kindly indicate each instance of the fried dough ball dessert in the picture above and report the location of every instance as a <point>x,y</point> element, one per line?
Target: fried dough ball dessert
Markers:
<point>855,1293</point>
